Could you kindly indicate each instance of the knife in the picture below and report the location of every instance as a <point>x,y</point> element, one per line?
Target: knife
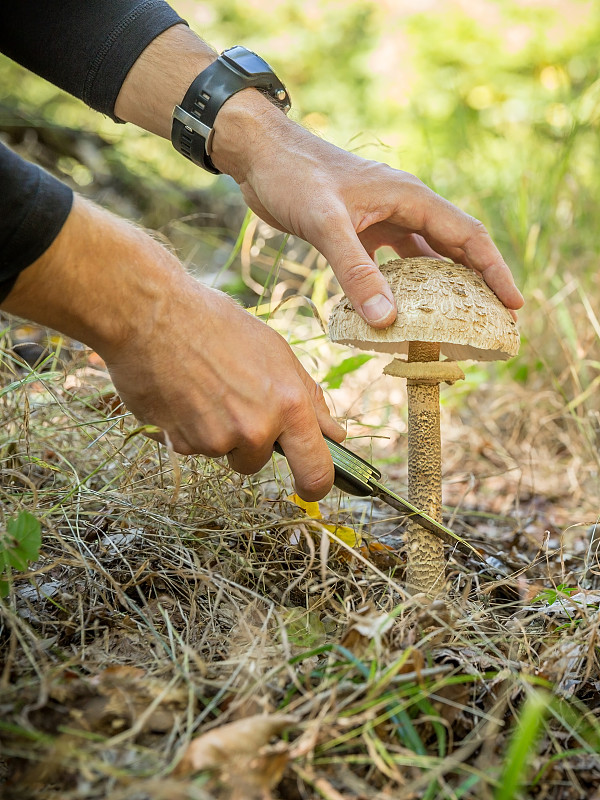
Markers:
<point>355,476</point>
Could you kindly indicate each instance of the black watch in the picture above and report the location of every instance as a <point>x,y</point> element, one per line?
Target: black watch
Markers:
<point>235,69</point>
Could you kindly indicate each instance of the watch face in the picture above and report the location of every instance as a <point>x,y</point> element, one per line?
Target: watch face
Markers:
<point>246,61</point>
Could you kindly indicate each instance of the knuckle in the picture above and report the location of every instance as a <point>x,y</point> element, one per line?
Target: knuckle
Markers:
<point>318,482</point>
<point>478,227</point>
<point>327,219</point>
<point>256,437</point>
<point>360,277</point>
<point>296,405</point>
<point>412,181</point>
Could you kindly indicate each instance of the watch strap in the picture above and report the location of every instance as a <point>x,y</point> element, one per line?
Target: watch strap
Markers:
<point>194,117</point>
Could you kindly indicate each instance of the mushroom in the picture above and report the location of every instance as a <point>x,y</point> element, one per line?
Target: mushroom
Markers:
<point>446,309</point>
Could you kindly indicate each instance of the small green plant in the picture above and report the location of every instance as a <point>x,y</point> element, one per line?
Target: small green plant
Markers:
<point>550,596</point>
<point>19,545</point>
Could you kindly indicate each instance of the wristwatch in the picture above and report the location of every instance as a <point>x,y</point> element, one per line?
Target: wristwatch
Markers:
<point>235,69</point>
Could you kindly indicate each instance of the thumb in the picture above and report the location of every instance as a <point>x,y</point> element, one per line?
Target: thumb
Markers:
<point>359,276</point>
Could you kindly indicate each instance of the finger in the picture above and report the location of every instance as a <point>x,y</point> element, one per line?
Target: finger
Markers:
<point>311,464</point>
<point>406,245</point>
<point>327,423</point>
<point>450,231</point>
<point>250,458</point>
<point>415,245</point>
<point>307,454</point>
<point>411,245</point>
<point>497,274</point>
<point>173,442</point>
<point>359,277</point>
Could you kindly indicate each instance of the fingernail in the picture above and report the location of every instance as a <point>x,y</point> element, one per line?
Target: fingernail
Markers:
<point>377,308</point>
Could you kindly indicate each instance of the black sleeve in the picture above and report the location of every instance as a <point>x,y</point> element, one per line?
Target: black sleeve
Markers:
<point>33,209</point>
<point>86,47</point>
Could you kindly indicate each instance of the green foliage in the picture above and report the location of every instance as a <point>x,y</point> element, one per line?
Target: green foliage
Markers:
<point>497,108</point>
<point>19,545</point>
<point>335,376</point>
<point>550,596</point>
<point>563,594</point>
<point>304,628</point>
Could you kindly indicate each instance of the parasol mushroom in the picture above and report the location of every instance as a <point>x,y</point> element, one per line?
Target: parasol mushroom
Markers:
<point>446,309</point>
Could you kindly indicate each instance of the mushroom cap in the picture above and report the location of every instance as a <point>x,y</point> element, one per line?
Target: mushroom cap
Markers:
<point>437,302</point>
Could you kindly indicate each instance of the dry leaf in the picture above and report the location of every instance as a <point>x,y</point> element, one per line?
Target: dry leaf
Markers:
<point>368,625</point>
<point>348,535</point>
<point>123,696</point>
<point>240,751</point>
<point>382,555</point>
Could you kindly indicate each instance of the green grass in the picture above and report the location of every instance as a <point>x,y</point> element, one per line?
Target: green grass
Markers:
<point>522,745</point>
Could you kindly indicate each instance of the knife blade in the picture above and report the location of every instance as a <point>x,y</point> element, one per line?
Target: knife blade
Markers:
<point>356,476</point>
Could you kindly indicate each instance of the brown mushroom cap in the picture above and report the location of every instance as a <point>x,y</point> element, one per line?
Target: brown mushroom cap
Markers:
<point>437,302</point>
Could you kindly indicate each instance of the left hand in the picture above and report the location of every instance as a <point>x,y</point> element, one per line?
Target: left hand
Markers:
<point>347,206</point>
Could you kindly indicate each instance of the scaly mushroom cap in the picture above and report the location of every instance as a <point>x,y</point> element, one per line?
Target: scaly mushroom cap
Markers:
<point>437,302</point>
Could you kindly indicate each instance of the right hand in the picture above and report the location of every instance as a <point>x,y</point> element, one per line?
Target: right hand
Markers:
<point>183,357</point>
<point>224,383</point>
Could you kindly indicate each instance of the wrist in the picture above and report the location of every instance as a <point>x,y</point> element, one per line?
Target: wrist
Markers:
<point>194,119</point>
<point>241,129</point>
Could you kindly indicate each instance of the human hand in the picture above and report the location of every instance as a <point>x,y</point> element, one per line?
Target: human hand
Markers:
<point>185,358</point>
<point>224,383</point>
<point>347,206</point>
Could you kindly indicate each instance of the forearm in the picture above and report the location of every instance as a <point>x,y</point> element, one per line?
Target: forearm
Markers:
<point>183,357</point>
<point>96,280</point>
<point>160,77</point>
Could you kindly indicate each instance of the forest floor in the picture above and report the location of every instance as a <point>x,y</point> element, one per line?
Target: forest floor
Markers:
<point>188,633</point>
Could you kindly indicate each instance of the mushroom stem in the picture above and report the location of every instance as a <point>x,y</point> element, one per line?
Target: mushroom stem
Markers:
<point>426,566</point>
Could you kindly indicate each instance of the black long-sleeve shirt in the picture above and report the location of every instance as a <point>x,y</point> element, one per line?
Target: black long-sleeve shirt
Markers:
<point>87,48</point>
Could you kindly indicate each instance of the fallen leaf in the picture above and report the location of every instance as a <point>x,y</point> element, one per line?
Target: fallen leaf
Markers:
<point>227,745</point>
<point>304,628</point>
<point>348,535</point>
<point>240,752</point>
<point>368,625</point>
<point>122,698</point>
<point>568,606</point>
<point>312,509</point>
<point>382,555</point>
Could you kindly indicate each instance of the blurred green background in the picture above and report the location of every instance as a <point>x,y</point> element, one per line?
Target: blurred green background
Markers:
<point>494,103</point>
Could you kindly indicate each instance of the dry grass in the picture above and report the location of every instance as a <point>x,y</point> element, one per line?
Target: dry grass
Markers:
<point>172,597</point>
